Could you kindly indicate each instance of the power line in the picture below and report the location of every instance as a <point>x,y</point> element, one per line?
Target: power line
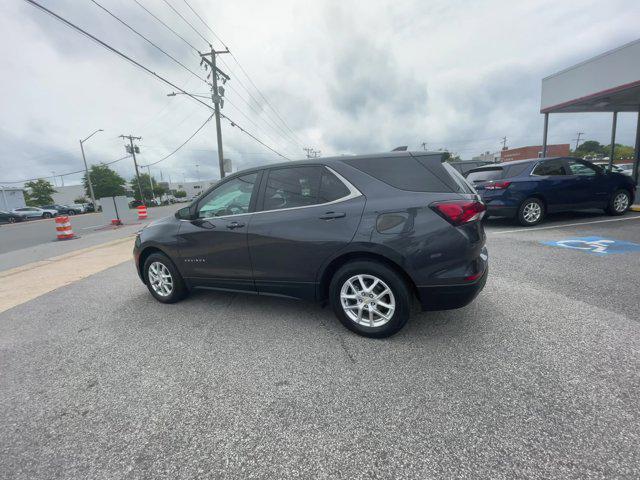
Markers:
<point>167,27</point>
<point>182,145</point>
<point>187,22</point>
<point>294,138</point>
<point>276,128</point>
<point>148,41</point>
<point>64,174</point>
<point>150,72</point>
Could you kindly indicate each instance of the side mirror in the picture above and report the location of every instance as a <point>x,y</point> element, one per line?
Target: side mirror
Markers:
<point>184,214</point>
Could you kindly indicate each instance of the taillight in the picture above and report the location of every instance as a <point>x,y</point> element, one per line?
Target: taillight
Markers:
<point>497,185</point>
<point>459,212</point>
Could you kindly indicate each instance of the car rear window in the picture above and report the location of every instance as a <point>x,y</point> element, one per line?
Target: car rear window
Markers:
<point>404,172</point>
<point>485,175</point>
<point>515,170</point>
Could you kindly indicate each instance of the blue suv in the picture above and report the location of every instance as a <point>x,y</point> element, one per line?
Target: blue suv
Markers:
<point>529,189</point>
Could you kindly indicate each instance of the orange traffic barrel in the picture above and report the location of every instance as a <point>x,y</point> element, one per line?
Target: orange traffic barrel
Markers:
<point>142,212</point>
<point>63,228</point>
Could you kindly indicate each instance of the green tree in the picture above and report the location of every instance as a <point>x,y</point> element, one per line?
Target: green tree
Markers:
<point>106,182</point>
<point>180,194</point>
<point>590,148</point>
<point>622,152</point>
<point>39,193</point>
<point>145,183</point>
<point>449,157</point>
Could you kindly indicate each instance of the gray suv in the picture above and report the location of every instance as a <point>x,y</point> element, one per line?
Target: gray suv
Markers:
<point>367,234</point>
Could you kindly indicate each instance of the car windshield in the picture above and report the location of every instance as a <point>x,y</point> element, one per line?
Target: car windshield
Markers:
<point>485,175</point>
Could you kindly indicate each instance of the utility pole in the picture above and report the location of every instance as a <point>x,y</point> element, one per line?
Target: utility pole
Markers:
<point>504,143</point>
<point>153,194</point>
<point>216,95</point>
<point>133,150</point>
<point>311,153</point>
<point>579,134</point>
<point>424,146</point>
<point>86,168</point>
<point>55,182</point>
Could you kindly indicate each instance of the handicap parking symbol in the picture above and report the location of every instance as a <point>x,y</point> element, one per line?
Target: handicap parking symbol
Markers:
<point>596,245</point>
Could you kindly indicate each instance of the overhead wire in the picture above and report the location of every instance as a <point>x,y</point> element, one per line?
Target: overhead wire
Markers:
<point>149,71</point>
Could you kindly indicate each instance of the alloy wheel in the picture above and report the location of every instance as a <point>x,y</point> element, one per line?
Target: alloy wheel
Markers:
<point>160,279</point>
<point>531,212</point>
<point>367,300</point>
<point>621,202</point>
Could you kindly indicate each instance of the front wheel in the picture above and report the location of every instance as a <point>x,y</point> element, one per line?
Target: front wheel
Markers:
<point>163,279</point>
<point>370,299</point>
<point>531,212</point>
<point>46,215</point>
<point>619,202</point>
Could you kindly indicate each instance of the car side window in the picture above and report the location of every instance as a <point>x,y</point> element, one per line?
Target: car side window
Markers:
<point>579,168</point>
<point>549,167</point>
<point>292,187</point>
<point>331,187</point>
<point>231,198</point>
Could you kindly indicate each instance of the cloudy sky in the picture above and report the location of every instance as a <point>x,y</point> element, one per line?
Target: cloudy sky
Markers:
<point>340,76</point>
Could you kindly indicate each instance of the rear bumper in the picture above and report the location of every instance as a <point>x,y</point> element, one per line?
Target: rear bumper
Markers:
<point>447,297</point>
<point>501,210</point>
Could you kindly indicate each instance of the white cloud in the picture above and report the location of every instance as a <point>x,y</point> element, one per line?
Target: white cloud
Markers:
<point>348,76</point>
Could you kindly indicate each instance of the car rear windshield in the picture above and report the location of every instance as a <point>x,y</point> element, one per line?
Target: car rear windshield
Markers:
<point>403,172</point>
<point>485,175</point>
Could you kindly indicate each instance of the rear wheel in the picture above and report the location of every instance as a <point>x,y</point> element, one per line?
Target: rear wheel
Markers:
<point>370,299</point>
<point>531,212</point>
<point>619,202</point>
<point>163,279</point>
<point>46,215</point>
<point>12,220</point>
<point>71,212</point>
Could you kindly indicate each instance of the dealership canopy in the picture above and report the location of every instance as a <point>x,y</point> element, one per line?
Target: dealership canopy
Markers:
<point>607,83</point>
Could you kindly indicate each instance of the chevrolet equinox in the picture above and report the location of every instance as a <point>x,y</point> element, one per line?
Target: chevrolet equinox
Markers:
<point>366,233</point>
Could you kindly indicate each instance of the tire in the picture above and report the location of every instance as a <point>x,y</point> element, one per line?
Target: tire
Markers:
<point>367,270</point>
<point>531,212</point>
<point>619,203</point>
<point>12,220</point>
<point>46,215</point>
<point>71,212</point>
<point>178,288</point>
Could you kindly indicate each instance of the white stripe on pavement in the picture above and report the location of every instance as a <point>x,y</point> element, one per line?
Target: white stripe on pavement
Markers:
<point>528,229</point>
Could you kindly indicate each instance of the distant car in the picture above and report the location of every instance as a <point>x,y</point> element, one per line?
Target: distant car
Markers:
<point>10,217</point>
<point>35,212</point>
<point>62,209</point>
<point>627,168</point>
<point>77,207</point>
<point>529,189</point>
<point>614,168</point>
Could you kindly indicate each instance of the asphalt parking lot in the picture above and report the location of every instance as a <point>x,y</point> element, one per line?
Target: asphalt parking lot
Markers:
<point>537,378</point>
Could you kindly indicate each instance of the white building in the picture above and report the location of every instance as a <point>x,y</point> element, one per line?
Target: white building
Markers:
<point>487,157</point>
<point>68,194</point>
<point>193,189</point>
<point>11,198</point>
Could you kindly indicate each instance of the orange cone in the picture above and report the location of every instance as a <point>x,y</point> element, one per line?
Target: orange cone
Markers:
<point>142,212</point>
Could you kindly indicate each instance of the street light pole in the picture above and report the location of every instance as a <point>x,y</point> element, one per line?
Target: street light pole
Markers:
<point>86,168</point>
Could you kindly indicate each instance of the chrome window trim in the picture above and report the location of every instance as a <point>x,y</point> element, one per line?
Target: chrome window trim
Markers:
<point>353,193</point>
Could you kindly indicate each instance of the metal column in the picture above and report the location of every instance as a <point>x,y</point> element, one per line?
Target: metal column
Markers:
<point>544,135</point>
<point>613,140</point>
<point>636,163</point>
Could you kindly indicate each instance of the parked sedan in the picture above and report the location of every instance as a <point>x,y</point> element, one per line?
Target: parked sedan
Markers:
<point>35,212</point>
<point>10,217</point>
<point>63,209</point>
<point>529,189</point>
<point>365,234</point>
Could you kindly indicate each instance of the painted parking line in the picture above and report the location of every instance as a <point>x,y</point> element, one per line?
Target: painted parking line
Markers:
<point>564,225</point>
<point>595,245</point>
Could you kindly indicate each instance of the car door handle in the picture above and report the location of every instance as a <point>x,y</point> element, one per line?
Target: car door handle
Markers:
<point>332,215</point>
<point>233,225</point>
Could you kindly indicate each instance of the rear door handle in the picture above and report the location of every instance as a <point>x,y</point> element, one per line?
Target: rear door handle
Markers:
<point>233,225</point>
<point>332,215</point>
